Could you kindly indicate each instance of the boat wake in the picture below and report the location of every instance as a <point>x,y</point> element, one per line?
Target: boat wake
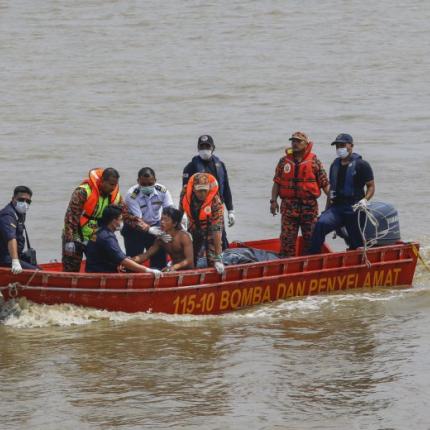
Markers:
<point>21,313</point>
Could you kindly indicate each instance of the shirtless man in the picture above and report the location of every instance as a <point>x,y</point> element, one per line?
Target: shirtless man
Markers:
<point>180,249</point>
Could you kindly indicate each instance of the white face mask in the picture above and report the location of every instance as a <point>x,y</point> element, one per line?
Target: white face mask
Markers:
<point>22,207</point>
<point>119,226</point>
<point>342,152</point>
<point>205,154</point>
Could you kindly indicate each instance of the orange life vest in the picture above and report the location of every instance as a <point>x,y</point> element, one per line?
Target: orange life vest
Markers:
<point>93,181</point>
<point>298,180</point>
<point>205,210</point>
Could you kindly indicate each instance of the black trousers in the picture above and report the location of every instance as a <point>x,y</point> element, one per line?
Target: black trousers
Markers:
<point>137,241</point>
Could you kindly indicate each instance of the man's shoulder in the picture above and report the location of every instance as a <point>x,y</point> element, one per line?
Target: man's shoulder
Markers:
<point>161,188</point>
<point>363,166</point>
<point>190,166</point>
<point>132,192</point>
<point>184,235</point>
<point>105,234</point>
<point>7,210</point>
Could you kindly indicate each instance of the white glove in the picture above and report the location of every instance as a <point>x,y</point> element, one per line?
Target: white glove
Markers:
<point>166,238</point>
<point>219,267</point>
<point>231,218</point>
<point>16,266</point>
<point>70,247</point>
<point>156,231</point>
<point>184,222</point>
<point>362,204</point>
<point>157,273</point>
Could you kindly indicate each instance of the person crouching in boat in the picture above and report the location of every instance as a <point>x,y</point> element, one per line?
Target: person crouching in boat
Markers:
<point>298,181</point>
<point>86,206</point>
<point>104,255</point>
<point>349,174</point>
<point>202,204</point>
<point>12,232</point>
<point>180,248</point>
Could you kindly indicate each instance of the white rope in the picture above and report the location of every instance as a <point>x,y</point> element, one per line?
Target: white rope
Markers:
<point>379,234</point>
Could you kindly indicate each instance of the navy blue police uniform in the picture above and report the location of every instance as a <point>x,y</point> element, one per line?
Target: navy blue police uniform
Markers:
<point>216,168</point>
<point>103,252</point>
<point>346,189</point>
<point>12,227</point>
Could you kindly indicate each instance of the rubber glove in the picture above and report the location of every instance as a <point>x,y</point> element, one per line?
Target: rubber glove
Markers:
<point>70,247</point>
<point>166,238</point>
<point>156,231</point>
<point>184,221</point>
<point>16,266</point>
<point>363,203</point>
<point>157,273</point>
<point>219,267</point>
<point>231,218</point>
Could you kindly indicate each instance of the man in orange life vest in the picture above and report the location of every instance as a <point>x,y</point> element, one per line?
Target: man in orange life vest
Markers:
<point>298,181</point>
<point>202,204</point>
<point>86,206</point>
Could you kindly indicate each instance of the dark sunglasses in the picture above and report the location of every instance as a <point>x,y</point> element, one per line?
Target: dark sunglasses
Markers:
<point>23,199</point>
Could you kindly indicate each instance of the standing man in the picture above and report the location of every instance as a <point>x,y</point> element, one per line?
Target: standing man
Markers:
<point>145,203</point>
<point>207,162</point>
<point>202,204</point>
<point>298,181</point>
<point>86,207</point>
<point>12,231</point>
<point>349,174</point>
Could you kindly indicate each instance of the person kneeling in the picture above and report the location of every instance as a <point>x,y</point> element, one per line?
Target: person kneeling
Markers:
<point>180,248</point>
<point>104,254</point>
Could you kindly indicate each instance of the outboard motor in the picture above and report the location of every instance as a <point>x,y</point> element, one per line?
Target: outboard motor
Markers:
<point>386,230</point>
<point>379,223</point>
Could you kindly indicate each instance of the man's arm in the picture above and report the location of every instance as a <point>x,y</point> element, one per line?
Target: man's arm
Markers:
<point>167,201</point>
<point>227,197</point>
<point>274,206</point>
<point>370,190</point>
<point>366,174</point>
<point>217,224</point>
<point>131,214</point>
<point>187,173</point>
<point>321,176</point>
<point>131,265</point>
<point>141,258</point>
<point>12,247</point>
<point>73,215</point>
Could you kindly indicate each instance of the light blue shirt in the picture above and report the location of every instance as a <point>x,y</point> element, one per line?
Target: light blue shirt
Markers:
<point>148,208</point>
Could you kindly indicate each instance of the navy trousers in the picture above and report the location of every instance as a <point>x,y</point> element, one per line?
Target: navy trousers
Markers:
<point>330,220</point>
<point>137,241</point>
<point>7,262</point>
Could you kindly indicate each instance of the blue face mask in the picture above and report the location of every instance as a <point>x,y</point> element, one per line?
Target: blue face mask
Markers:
<point>147,191</point>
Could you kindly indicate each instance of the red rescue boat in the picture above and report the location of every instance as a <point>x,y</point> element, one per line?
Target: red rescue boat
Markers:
<point>203,291</point>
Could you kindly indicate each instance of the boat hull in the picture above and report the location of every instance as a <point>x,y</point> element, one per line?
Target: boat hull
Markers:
<point>204,292</point>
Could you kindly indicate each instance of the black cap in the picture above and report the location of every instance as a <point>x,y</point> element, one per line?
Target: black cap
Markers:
<point>205,139</point>
<point>343,138</point>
